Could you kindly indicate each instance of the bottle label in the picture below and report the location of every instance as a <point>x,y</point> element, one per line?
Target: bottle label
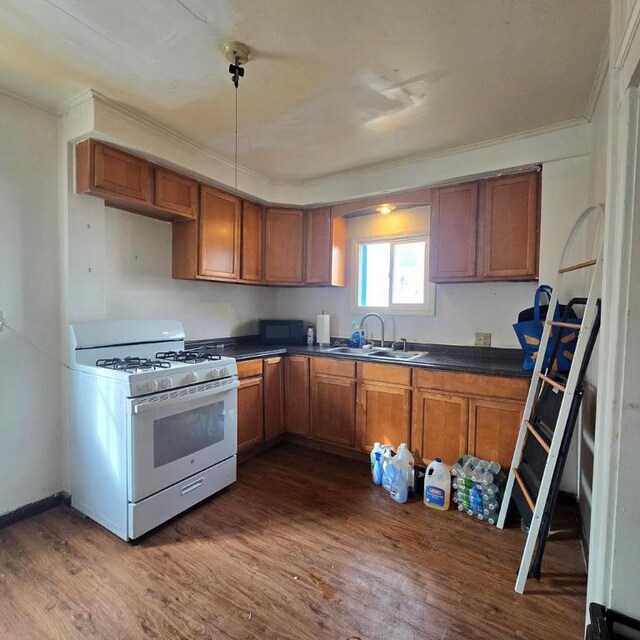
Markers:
<point>434,496</point>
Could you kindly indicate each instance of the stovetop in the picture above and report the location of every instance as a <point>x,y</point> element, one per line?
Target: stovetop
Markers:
<point>162,360</point>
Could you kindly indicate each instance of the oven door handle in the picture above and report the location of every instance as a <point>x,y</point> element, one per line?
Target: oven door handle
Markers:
<point>147,406</point>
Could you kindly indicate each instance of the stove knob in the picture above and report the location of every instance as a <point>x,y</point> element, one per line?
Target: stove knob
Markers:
<point>164,383</point>
<point>214,374</point>
<point>224,372</point>
<point>192,376</point>
<point>152,385</point>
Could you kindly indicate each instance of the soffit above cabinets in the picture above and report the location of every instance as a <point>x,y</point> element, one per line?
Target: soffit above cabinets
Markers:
<point>333,86</point>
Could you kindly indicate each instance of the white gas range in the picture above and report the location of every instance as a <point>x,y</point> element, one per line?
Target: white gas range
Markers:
<point>153,427</point>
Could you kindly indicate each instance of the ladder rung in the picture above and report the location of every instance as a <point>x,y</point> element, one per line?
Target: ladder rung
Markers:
<point>525,491</point>
<point>537,436</point>
<point>566,325</point>
<point>580,265</point>
<point>553,383</point>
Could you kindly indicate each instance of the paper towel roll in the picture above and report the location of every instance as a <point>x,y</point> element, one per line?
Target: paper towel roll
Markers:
<point>323,329</point>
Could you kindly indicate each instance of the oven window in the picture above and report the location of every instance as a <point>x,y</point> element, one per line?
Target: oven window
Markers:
<point>182,434</point>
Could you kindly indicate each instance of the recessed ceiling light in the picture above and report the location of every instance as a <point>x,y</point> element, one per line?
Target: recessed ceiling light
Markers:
<point>384,209</point>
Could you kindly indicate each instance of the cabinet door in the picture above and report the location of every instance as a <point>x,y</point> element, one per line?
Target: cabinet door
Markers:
<point>493,429</point>
<point>511,227</point>
<point>284,242</point>
<point>296,393</point>
<point>454,219</point>
<point>384,415</point>
<point>333,410</point>
<point>440,425</point>
<point>273,374</point>
<point>219,245</point>
<point>251,246</point>
<point>121,174</point>
<point>250,413</point>
<point>319,246</point>
<point>176,193</point>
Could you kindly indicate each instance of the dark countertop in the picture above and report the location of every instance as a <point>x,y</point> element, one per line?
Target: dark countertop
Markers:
<point>481,360</point>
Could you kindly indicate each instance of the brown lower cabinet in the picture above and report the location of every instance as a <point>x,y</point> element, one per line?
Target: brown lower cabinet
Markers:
<point>273,374</point>
<point>333,409</point>
<point>296,395</point>
<point>437,413</point>
<point>441,424</point>
<point>250,413</point>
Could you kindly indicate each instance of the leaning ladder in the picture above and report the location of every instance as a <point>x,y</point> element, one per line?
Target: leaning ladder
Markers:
<point>555,445</point>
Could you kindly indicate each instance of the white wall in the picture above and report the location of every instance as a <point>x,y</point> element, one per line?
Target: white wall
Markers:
<point>31,391</point>
<point>120,267</point>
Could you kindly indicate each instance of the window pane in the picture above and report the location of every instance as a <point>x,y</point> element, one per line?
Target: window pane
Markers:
<point>408,273</point>
<point>373,283</point>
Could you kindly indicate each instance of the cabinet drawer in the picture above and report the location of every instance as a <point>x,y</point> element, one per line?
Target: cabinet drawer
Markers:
<point>331,367</point>
<point>386,373</point>
<point>249,368</point>
<point>472,384</point>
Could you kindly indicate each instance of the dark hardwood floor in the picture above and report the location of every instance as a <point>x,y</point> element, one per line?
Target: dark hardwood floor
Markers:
<point>303,546</point>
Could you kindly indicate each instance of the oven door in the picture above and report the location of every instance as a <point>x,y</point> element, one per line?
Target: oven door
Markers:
<point>178,433</point>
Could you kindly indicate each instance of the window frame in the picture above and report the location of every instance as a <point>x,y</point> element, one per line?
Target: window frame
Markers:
<point>427,308</point>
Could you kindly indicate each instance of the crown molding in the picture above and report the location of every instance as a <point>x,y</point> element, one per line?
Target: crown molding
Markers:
<point>21,97</point>
<point>598,81</point>
<point>423,157</point>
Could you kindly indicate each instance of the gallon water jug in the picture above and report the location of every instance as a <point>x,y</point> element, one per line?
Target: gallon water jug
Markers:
<point>406,458</point>
<point>387,455</point>
<point>437,485</point>
<point>399,471</point>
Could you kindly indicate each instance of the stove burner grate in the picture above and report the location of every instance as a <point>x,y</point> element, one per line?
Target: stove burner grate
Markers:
<point>187,356</point>
<point>132,364</point>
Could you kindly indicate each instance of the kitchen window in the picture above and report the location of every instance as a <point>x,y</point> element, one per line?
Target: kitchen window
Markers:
<point>390,275</point>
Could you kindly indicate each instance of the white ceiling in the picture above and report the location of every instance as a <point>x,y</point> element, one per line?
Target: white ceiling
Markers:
<point>334,84</point>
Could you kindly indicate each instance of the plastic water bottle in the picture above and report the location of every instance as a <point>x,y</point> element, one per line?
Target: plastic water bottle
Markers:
<point>399,488</point>
<point>376,471</point>
<point>437,486</point>
<point>405,457</point>
<point>387,456</point>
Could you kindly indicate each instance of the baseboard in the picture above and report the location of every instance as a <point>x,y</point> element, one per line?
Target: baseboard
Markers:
<point>34,508</point>
<point>327,447</point>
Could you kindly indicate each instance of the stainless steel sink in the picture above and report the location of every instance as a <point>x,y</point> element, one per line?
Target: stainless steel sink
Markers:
<point>397,355</point>
<point>350,351</point>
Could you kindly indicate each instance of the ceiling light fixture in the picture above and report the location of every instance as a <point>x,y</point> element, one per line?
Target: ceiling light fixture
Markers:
<point>237,54</point>
<point>385,209</point>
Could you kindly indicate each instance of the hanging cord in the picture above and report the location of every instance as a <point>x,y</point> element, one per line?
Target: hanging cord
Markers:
<point>236,151</point>
<point>4,323</point>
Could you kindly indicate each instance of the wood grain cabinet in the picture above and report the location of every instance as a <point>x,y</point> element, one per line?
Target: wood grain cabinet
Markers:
<point>493,429</point>
<point>176,193</point>
<point>326,262</point>
<point>440,426</point>
<point>251,242</point>
<point>333,401</point>
<point>273,375</point>
<point>486,230</point>
<point>297,394</point>
<point>250,404</point>
<point>454,231</point>
<point>458,413</point>
<point>117,176</point>
<point>384,405</point>
<point>510,226</point>
<point>283,246</point>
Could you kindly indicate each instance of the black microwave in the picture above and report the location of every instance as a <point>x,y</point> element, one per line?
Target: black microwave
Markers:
<point>282,332</point>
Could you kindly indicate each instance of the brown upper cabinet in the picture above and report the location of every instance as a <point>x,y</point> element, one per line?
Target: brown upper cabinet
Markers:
<point>486,230</point>
<point>454,224</point>
<point>510,227</point>
<point>251,242</point>
<point>283,246</point>
<point>326,249</point>
<point>176,193</point>
<point>219,235</point>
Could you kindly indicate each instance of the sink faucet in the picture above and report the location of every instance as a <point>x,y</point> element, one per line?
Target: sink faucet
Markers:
<point>374,315</point>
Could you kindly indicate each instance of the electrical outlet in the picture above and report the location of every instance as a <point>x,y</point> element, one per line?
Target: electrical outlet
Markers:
<point>483,339</point>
